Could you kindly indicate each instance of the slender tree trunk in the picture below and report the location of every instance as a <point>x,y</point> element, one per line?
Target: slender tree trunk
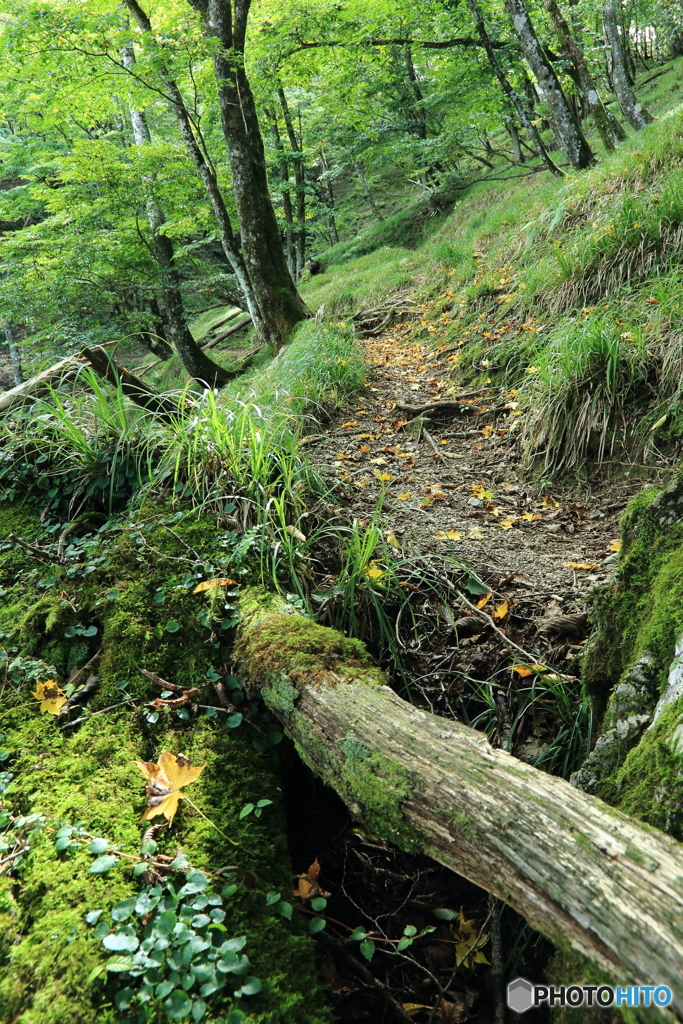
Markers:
<point>329,190</point>
<point>207,175</point>
<point>156,336</point>
<point>281,307</point>
<point>511,129</point>
<point>509,92</point>
<point>634,112</point>
<point>419,106</point>
<point>286,197</point>
<point>196,362</point>
<point>366,189</point>
<point>589,91</point>
<point>567,131</point>
<point>14,354</point>
<point>579,871</point>
<point>300,182</point>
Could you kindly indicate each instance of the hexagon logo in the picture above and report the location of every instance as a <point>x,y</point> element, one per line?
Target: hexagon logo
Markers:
<point>520,995</point>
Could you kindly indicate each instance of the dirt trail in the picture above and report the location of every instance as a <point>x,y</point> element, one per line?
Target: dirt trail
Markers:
<point>453,485</point>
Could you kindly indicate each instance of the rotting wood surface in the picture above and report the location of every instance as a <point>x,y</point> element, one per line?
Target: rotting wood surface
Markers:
<point>578,870</point>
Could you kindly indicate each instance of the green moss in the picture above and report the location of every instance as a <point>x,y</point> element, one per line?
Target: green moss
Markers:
<point>463,823</point>
<point>47,953</point>
<point>649,784</point>
<point>300,647</point>
<point>377,786</point>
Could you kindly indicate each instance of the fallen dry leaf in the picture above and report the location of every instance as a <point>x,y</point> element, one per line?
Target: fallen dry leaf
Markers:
<point>615,545</point>
<point>405,495</point>
<point>308,887</point>
<point>50,695</point>
<point>501,610</point>
<point>581,565</point>
<point>296,534</point>
<point>528,670</point>
<point>448,535</point>
<point>476,533</point>
<point>506,524</point>
<point>383,477</point>
<point>531,516</point>
<point>484,600</point>
<point>212,584</point>
<point>165,782</point>
<point>392,539</point>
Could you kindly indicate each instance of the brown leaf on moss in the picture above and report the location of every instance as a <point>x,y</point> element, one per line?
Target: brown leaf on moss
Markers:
<point>165,782</point>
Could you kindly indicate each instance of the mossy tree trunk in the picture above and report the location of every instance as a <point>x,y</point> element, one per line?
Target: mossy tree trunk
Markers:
<point>577,870</point>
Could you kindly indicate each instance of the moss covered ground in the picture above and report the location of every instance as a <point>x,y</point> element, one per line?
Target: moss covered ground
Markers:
<point>128,591</point>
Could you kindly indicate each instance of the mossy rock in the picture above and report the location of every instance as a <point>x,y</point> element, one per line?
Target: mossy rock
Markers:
<point>637,765</point>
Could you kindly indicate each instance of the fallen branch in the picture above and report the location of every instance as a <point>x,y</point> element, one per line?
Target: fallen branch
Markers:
<point>226,334</point>
<point>39,384</point>
<point>579,871</point>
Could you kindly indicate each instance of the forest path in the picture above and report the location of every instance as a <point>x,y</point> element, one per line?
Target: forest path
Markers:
<point>454,487</point>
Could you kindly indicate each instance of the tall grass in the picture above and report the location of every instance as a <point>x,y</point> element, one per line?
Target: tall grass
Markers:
<point>243,442</point>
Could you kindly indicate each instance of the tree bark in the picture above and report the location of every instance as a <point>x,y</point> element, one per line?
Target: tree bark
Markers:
<point>634,112</point>
<point>14,354</point>
<point>510,92</point>
<point>35,386</point>
<point>300,184</point>
<point>280,305</point>
<point>286,197</point>
<point>589,91</point>
<point>565,126</point>
<point>329,198</point>
<point>196,362</point>
<point>133,387</point>
<point>579,871</point>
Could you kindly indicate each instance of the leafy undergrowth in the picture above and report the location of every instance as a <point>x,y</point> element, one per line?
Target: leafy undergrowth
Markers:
<point>96,923</point>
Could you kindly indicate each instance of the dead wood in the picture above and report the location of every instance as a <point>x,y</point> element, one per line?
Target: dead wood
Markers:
<point>133,387</point>
<point>579,871</point>
<point>446,407</point>
<point>226,334</point>
<point>41,383</point>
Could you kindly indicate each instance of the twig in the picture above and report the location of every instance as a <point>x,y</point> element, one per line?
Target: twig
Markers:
<point>85,718</point>
<point>484,615</point>
<point>184,543</point>
<point>367,976</point>
<point>163,683</point>
<point>33,549</point>
<point>11,856</point>
<point>432,443</point>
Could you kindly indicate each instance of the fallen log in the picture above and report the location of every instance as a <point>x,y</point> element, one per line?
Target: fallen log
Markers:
<point>226,334</point>
<point>445,407</point>
<point>39,384</point>
<point>579,871</point>
<point>133,387</point>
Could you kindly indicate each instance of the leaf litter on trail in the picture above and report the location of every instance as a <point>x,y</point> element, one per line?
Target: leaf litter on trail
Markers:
<point>448,535</point>
<point>165,783</point>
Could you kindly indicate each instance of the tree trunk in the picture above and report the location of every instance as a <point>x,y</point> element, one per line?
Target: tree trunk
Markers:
<point>329,192</point>
<point>570,50</point>
<point>280,305</point>
<point>636,114</point>
<point>300,181</point>
<point>38,385</point>
<point>196,362</point>
<point>366,189</point>
<point>286,197</point>
<point>579,871</point>
<point>567,131</point>
<point>511,93</point>
<point>14,354</point>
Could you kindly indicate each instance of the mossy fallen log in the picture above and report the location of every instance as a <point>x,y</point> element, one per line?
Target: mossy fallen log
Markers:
<point>579,871</point>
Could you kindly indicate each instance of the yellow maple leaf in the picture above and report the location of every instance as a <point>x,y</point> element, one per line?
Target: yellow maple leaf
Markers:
<point>528,670</point>
<point>448,535</point>
<point>476,533</point>
<point>531,516</point>
<point>351,423</point>
<point>615,545</point>
<point>373,572</point>
<point>484,601</point>
<point>469,942</point>
<point>405,495</point>
<point>581,565</point>
<point>506,524</point>
<point>165,782</point>
<point>487,430</point>
<point>50,695</point>
<point>392,539</point>
<point>501,610</point>
<point>212,584</point>
<point>383,477</point>
<point>480,491</point>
